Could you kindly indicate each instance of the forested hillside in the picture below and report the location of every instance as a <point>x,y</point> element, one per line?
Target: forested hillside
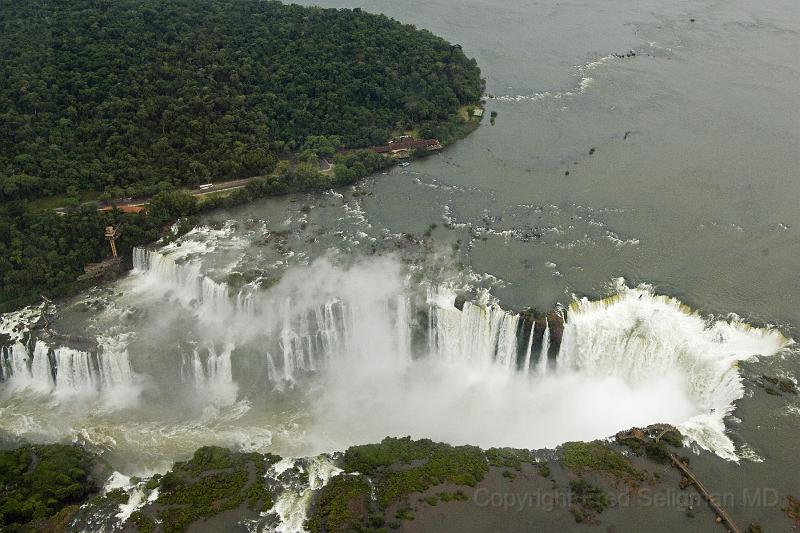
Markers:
<point>142,97</point>
<point>137,96</point>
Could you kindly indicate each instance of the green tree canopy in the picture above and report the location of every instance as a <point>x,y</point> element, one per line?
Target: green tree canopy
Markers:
<point>137,95</point>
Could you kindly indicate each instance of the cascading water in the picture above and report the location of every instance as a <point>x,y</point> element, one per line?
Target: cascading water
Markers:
<point>306,335</point>
<point>334,355</point>
<point>64,371</point>
<point>544,354</point>
<point>637,335</point>
<point>190,285</point>
<point>211,376</point>
<point>477,334</point>
<point>526,368</point>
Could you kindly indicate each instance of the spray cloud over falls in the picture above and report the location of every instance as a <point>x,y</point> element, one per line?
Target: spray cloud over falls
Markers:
<point>334,355</point>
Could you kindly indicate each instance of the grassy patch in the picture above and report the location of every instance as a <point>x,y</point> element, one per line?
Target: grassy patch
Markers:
<point>452,496</point>
<point>343,505</point>
<point>405,513</point>
<point>213,481</point>
<point>588,501</point>
<point>792,510</point>
<point>543,469</point>
<point>52,202</point>
<point>509,457</point>
<point>422,464</point>
<point>596,456</point>
<point>143,523</point>
<point>38,481</point>
<point>224,193</point>
<point>118,496</point>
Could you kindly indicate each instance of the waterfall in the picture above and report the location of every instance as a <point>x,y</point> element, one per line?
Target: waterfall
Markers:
<point>65,371</point>
<point>527,366</point>
<point>403,326</point>
<point>212,377</point>
<point>312,339</point>
<point>114,363</point>
<point>189,283</point>
<point>25,368</point>
<point>364,340</point>
<point>74,372</point>
<point>272,370</point>
<point>544,354</point>
<point>41,367</point>
<point>638,336</point>
<point>507,342</point>
<point>307,339</point>
<point>481,335</point>
<point>318,322</point>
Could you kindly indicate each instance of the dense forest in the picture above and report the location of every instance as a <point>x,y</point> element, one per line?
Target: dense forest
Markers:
<point>37,481</point>
<point>142,97</point>
<point>43,253</point>
<point>138,96</point>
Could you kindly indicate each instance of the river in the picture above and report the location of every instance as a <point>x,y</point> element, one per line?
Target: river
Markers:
<point>641,149</point>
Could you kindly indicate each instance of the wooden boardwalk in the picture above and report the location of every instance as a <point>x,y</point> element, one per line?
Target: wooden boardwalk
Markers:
<point>715,506</point>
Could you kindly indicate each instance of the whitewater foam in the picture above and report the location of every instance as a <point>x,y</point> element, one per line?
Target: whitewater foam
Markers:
<point>363,353</point>
<point>636,335</point>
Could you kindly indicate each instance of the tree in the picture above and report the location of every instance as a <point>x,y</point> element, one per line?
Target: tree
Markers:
<point>170,205</point>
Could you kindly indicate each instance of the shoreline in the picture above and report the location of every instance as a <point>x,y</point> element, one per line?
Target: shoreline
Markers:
<point>638,476</point>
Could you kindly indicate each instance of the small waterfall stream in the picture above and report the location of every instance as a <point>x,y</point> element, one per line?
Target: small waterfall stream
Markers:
<point>62,370</point>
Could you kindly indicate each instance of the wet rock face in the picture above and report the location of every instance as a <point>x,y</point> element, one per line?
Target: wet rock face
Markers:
<point>539,321</point>
<point>777,386</point>
<point>555,319</point>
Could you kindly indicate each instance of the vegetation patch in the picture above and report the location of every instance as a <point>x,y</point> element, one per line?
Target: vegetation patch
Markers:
<point>58,523</point>
<point>424,464</point>
<point>457,496</point>
<point>118,496</point>
<point>343,505</point>
<point>509,474</point>
<point>597,456</point>
<point>652,441</point>
<point>143,523</point>
<point>153,482</point>
<point>587,502</point>
<point>141,95</point>
<point>213,481</point>
<point>37,481</point>
<point>783,385</point>
<point>544,469</point>
<point>509,457</point>
<point>405,513</point>
<point>431,500</point>
<point>792,511</point>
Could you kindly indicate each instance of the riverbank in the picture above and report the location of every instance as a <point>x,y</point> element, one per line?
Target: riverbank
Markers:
<point>149,218</point>
<point>419,485</point>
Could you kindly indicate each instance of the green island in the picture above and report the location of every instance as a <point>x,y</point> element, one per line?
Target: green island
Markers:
<point>109,101</point>
<point>41,486</point>
<point>377,488</point>
<point>371,488</point>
